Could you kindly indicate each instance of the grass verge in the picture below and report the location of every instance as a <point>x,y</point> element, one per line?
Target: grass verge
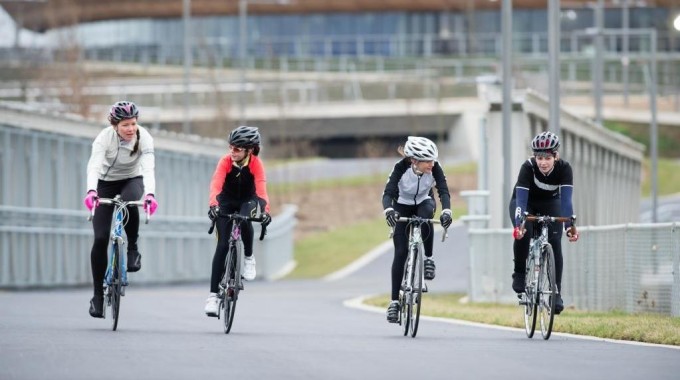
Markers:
<point>324,253</point>
<point>650,328</point>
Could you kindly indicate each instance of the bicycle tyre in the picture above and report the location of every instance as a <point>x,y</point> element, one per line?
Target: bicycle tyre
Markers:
<point>417,294</point>
<point>530,305</point>
<point>547,291</point>
<point>229,302</point>
<point>116,285</point>
<point>407,296</point>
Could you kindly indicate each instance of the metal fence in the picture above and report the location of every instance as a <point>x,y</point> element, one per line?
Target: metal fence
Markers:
<point>48,248</point>
<point>628,267</point>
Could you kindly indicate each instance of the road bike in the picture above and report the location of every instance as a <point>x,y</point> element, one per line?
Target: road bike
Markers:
<point>413,281</point>
<point>231,282</point>
<point>540,289</point>
<point>115,278</point>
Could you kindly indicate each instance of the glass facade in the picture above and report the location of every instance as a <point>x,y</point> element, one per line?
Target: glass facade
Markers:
<point>377,33</point>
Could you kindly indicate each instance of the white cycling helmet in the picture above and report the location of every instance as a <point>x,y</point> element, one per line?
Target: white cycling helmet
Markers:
<point>421,149</point>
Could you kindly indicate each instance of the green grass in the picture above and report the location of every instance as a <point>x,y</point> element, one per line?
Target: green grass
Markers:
<point>326,252</point>
<point>668,174</point>
<point>668,136</point>
<point>651,328</point>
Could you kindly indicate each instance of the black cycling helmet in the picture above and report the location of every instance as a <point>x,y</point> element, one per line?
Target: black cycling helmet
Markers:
<point>121,111</point>
<point>545,142</point>
<point>245,137</point>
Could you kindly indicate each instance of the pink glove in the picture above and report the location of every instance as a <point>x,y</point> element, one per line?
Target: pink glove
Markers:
<point>517,234</point>
<point>151,203</point>
<point>91,200</point>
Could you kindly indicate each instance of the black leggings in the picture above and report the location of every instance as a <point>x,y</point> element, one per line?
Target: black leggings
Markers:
<point>424,210</point>
<point>521,247</point>
<point>130,189</point>
<point>223,228</point>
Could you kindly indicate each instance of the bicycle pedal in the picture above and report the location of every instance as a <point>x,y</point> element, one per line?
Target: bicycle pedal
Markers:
<point>122,291</point>
<point>424,288</point>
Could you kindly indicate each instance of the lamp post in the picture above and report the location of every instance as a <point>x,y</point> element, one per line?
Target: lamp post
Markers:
<point>243,51</point>
<point>507,102</point>
<point>186,20</point>
<point>243,39</point>
<point>554,65</point>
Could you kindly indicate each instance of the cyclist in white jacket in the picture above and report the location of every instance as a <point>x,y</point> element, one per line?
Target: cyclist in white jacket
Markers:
<point>122,162</point>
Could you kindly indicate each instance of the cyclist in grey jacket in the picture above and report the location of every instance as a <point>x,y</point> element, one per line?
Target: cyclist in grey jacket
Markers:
<point>122,162</point>
<point>409,192</point>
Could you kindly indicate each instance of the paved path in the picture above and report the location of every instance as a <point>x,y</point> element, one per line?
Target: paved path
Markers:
<point>292,330</point>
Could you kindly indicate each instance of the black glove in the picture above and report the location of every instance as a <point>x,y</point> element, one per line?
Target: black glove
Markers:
<point>266,219</point>
<point>391,216</point>
<point>445,218</point>
<point>213,212</point>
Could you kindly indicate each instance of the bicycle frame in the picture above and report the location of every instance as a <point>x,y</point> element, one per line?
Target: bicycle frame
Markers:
<point>540,280</point>
<point>115,277</point>
<point>413,281</point>
<point>231,282</point>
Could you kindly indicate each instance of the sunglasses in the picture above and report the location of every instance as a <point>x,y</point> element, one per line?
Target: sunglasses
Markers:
<point>236,149</point>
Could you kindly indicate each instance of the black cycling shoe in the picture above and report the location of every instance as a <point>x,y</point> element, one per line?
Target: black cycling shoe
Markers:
<point>134,261</point>
<point>518,282</point>
<point>429,269</point>
<point>559,304</point>
<point>393,312</point>
<point>97,306</point>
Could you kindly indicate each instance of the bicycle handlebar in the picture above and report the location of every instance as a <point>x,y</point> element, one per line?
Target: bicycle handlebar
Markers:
<point>549,219</point>
<point>241,218</point>
<point>404,219</point>
<point>117,201</point>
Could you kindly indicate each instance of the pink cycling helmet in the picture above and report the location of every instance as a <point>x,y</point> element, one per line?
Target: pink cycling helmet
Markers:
<point>121,111</point>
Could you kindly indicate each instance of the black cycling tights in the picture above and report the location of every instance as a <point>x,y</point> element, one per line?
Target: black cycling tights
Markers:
<point>223,228</point>
<point>129,190</point>
<point>424,210</point>
<point>521,247</point>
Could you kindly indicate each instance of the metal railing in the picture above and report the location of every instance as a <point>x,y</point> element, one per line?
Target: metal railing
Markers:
<point>628,267</point>
<point>51,248</point>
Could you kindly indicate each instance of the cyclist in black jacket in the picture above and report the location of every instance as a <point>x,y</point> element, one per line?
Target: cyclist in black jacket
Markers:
<point>544,187</point>
<point>408,192</point>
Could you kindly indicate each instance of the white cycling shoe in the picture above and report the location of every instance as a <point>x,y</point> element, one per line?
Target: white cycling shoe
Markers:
<point>249,271</point>
<point>211,305</point>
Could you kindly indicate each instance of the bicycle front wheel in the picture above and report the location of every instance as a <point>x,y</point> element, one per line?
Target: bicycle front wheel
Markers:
<point>547,291</point>
<point>231,290</point>
<point>417,295</point>
<point>115,289</point>
<point>406,296</point>
<point>530,298</point>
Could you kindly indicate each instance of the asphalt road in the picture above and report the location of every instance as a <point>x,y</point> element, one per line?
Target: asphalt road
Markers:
<point>293,330</point>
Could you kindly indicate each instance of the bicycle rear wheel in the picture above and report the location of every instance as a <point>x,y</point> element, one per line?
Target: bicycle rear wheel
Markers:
<point>115,289</point>
<point>231,290</point>
<point>530,298</point>
<point>417,295</point>
<point>547,292</point>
